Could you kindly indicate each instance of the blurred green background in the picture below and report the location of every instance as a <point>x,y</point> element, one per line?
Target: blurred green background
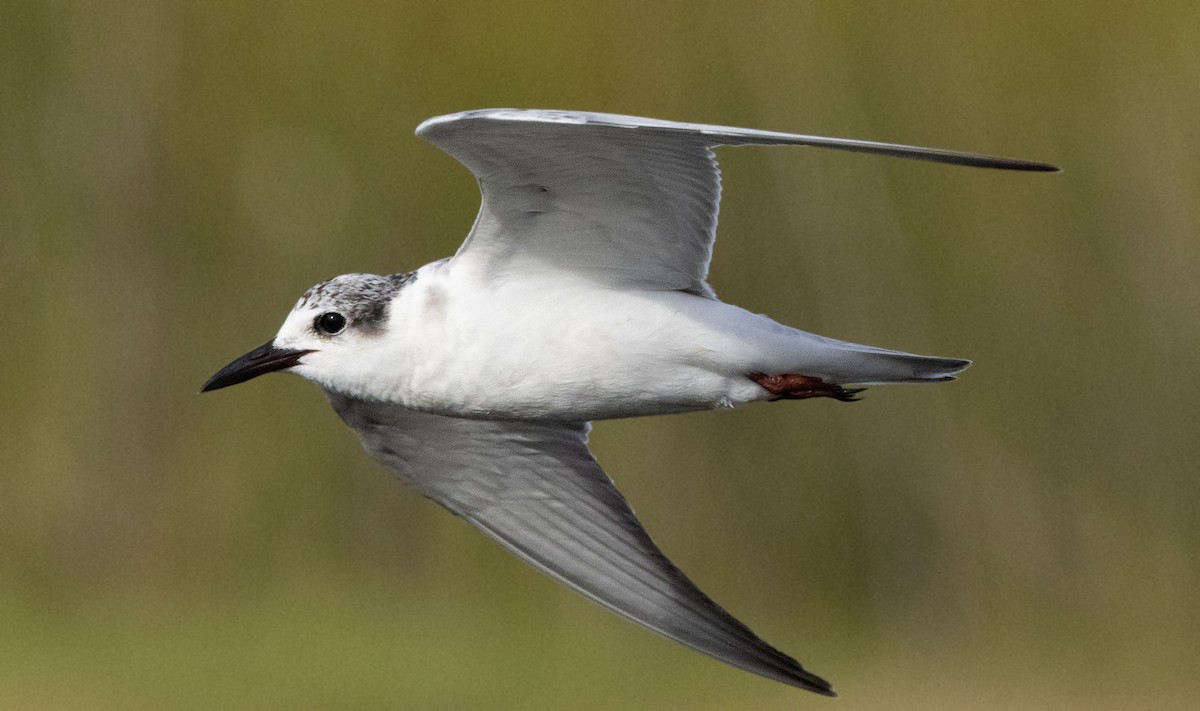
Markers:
<point>174,175</point>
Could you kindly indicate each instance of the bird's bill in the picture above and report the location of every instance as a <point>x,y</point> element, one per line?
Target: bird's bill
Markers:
<point>264,359</point>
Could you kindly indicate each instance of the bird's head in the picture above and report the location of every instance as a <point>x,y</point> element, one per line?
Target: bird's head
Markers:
<point>330,336</point>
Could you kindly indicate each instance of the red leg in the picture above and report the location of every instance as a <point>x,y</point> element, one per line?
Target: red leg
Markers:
<point>793,386</point>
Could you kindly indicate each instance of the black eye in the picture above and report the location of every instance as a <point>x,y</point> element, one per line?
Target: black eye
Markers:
<point>330,322</point>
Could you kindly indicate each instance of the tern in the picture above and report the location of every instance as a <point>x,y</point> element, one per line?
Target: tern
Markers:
<point>580,294</point>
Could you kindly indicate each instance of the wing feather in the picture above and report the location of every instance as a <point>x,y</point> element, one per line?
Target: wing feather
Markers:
<point>535,489</point>
<point>627,201</point>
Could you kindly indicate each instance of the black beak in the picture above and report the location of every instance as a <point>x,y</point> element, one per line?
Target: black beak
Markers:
<point>264,359</point>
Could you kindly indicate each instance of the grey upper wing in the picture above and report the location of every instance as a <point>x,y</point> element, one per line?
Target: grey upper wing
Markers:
<point>535,489</point>
<point>627,200</point>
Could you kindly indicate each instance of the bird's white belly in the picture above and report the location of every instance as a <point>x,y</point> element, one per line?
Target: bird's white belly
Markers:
<point>563,353</point>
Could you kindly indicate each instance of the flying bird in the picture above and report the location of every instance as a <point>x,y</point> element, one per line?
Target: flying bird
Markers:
<point>580,294</point>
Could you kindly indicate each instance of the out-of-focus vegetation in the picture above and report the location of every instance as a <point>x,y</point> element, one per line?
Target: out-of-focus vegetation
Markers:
<point>174,175</point>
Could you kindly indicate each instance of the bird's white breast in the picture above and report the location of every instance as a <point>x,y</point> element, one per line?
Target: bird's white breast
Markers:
<point>550,347</point>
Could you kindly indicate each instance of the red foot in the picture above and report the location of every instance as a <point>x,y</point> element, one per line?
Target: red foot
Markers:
<point>793,386</point>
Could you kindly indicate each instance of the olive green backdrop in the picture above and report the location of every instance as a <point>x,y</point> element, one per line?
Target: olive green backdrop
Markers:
<point>174,174</point>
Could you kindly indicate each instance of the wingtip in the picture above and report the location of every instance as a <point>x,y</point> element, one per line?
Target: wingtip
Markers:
<point>972,160</point>
<point>811,682</point>
<point>824,688</point>
<point>1039,167</point>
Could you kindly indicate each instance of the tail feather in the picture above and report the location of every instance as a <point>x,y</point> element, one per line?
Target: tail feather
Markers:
<point>858,364</point>
<point>877,366</point>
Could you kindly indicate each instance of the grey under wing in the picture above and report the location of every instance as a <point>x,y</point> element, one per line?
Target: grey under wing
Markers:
<point>535,489</point>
